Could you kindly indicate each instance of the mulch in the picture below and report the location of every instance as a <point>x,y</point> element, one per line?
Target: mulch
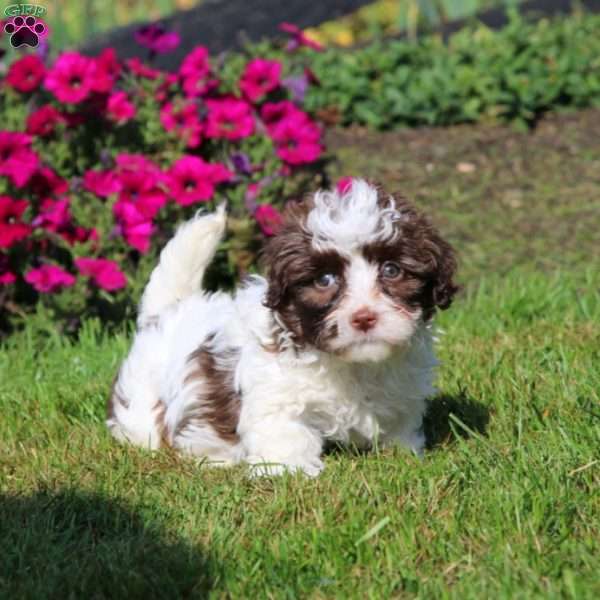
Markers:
<point>225,25</point>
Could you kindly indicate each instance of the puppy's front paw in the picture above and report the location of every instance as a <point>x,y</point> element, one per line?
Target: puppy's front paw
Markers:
<point>260,468</point>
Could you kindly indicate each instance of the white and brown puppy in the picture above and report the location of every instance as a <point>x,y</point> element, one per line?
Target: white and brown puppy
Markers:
<point>334,344</point>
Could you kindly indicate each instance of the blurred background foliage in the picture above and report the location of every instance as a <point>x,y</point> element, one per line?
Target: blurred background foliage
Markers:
<point>392,17</point>
<point>74,21</point>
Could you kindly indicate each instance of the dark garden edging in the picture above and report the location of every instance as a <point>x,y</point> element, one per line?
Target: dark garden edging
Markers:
<point>226,24</point>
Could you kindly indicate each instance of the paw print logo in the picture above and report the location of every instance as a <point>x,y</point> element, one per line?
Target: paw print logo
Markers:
<point>25,31</point>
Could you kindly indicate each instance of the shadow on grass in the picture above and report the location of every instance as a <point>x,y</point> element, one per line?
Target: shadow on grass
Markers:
<point>73,545</point>
<point>449,414</point>
<point>446,415</point>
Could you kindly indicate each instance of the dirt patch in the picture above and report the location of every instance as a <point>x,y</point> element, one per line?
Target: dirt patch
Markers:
<point>503,197</point>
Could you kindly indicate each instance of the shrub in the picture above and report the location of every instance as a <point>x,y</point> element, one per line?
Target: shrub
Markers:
<point>99,160</point>
<point>515,74</point>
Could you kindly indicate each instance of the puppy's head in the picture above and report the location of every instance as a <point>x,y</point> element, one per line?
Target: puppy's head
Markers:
<point>355,273</point>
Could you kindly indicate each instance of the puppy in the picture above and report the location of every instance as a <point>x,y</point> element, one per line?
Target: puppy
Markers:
<point>334,344</point>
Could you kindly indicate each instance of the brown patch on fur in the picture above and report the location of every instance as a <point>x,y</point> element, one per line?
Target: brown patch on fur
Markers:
<point>427,261</point>
<point>218,403</point>
<point>116,396</point>
<point>160,408</point>
<point>293,265</point>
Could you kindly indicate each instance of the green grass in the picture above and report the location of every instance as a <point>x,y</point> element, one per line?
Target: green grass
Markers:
<point>505,504</point>
<point>502,506</point>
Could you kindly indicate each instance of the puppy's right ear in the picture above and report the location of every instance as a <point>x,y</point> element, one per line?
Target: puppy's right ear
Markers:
<point>281,258</point>
<point>285,255</point>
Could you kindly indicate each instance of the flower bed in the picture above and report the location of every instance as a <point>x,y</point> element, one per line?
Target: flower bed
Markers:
<point>100,159</point>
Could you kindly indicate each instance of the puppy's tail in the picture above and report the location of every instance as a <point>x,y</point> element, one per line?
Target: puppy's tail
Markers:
<point>182,264</point>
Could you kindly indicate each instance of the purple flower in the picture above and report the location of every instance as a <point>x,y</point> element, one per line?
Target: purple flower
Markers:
<point>241,163</point>
<point>76,184</point>
<point>297,87</point>
<point>157,39</point>
<point>252,192</point>
<point>106,159</point>
<point>43,49</point>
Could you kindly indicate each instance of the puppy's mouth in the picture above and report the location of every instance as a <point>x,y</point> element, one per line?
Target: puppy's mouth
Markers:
<point>365,349</point>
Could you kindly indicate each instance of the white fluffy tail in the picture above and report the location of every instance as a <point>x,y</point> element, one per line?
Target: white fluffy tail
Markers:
<point>182,264</point>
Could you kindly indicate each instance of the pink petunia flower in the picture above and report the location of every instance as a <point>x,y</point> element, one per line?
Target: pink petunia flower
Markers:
<point>75,234</point>
<point>229,118</point>
<point>26,74</point>
<point>195,73</point>
<point>344,185</point>
<point>71,79</point>
<point>17,160</point>
<point>297,139</point>
<point>49,278</point>
<point>137,67</point>
<point>134,226</point>
<point>105,70</point>
<point>274,112</point>
<point>43,121</point>
<point>54,215</point>
<point>7,277</point>
<point>103,272</point>
<point>157,39</point>
<point>142,188</point>
<point>166,87</point>
<point>192,180</point>
<point>12,229</point>
<point>73,119</point>
<point>101,183</point>
<point>45,182</point>
<point>195,63</point>
<point>269,219</point>
<point>136,162</point>
<point>260,77</point>
<point>198,84</point>
<point>183,121</point>
<point>119,108</point>
<point>299,38</point>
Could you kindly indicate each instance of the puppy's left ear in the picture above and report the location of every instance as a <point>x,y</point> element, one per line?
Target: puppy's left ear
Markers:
<point>442,268</point>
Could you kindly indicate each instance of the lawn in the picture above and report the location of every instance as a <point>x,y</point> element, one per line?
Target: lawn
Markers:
<point>504,504</point>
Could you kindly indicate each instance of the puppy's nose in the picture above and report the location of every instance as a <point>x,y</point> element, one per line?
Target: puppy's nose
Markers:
<point>363,319</point>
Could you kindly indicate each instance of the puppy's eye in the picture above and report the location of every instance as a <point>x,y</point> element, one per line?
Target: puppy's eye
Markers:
<point>326,280</point>
<point>390,270</point>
